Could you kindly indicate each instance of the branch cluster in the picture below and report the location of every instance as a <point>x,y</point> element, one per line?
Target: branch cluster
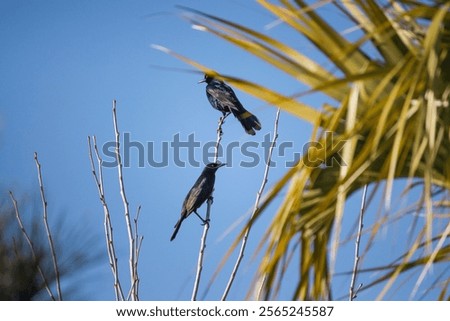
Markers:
<point>134,239</point>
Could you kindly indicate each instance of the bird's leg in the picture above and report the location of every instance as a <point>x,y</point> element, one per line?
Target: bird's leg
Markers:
<point>201,218</point>
<point>222,118</point>
<point>221,122</point>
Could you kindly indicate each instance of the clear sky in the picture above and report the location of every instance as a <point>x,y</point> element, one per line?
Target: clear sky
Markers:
<point>61,65</point>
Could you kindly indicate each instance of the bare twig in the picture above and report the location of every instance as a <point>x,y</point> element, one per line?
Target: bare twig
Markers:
<point>208,213</point>
<point>352,292</point>
<point>201,252</point>
<point>30,244</point>
<point>132,242</point>
<point>138,239</point>
<point>107,218</point>
<point>47,228</point>
<point>219,137</point>
<point>255,207</point>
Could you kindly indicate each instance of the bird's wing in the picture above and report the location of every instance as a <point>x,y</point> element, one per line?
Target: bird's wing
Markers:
<point>194,198</point>
<point>222,94</point>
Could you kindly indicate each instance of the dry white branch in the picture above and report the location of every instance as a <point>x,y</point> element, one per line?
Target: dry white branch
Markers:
<point>255,207</point>
<point>352,292</point>
<point>138,239</point>
<point>109,237</point>
<point>208,214</point>
<point>134,277</point>
<point>201,252</point>
<point>47,228</point>
<point>137,250</point>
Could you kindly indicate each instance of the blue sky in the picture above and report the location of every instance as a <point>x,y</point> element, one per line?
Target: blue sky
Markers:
<point>63,62</point>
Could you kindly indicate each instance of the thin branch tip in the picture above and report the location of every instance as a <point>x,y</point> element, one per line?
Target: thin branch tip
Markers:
<point>209,203</point>
<point>264,181</point>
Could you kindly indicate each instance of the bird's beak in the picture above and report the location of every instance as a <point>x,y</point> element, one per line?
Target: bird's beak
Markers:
<point>203,80</point>
<point>223,164</point>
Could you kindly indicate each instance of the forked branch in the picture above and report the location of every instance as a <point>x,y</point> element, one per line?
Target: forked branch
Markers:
<point>97,173</point>
<point>208,214</point>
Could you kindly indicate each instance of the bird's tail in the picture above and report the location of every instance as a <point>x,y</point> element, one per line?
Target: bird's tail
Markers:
<point>249,122</point>
<point>177,227</point>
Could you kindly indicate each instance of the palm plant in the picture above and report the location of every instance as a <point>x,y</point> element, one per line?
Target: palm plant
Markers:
<point>391,114</point>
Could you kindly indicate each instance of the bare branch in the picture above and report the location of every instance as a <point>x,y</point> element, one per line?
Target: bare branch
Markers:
<point>47,228</point>
<point>352,292</point>
<point>219,137</point>
<point>132,242</point>
<point>201,252</point>
<point>107,218</point>
<point>208,214</point>
<point>138,239</point>
<point>30,244</point>
<point>255,207</point>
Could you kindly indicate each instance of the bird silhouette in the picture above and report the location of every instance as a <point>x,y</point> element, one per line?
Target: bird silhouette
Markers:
<point>222,97</point>
<point>198,194</point>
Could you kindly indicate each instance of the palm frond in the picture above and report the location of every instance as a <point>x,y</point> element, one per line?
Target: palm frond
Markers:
<point>391,122</point>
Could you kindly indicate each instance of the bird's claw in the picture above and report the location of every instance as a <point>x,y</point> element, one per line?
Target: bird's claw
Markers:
<point>205,222</point>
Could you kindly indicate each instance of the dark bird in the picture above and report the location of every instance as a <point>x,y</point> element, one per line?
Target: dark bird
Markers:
<point>223,98</point>
<point>198,194</point>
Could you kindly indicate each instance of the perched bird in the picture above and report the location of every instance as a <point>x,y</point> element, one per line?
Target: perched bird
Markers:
<point>223,98</point>
<point>198,194</point>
